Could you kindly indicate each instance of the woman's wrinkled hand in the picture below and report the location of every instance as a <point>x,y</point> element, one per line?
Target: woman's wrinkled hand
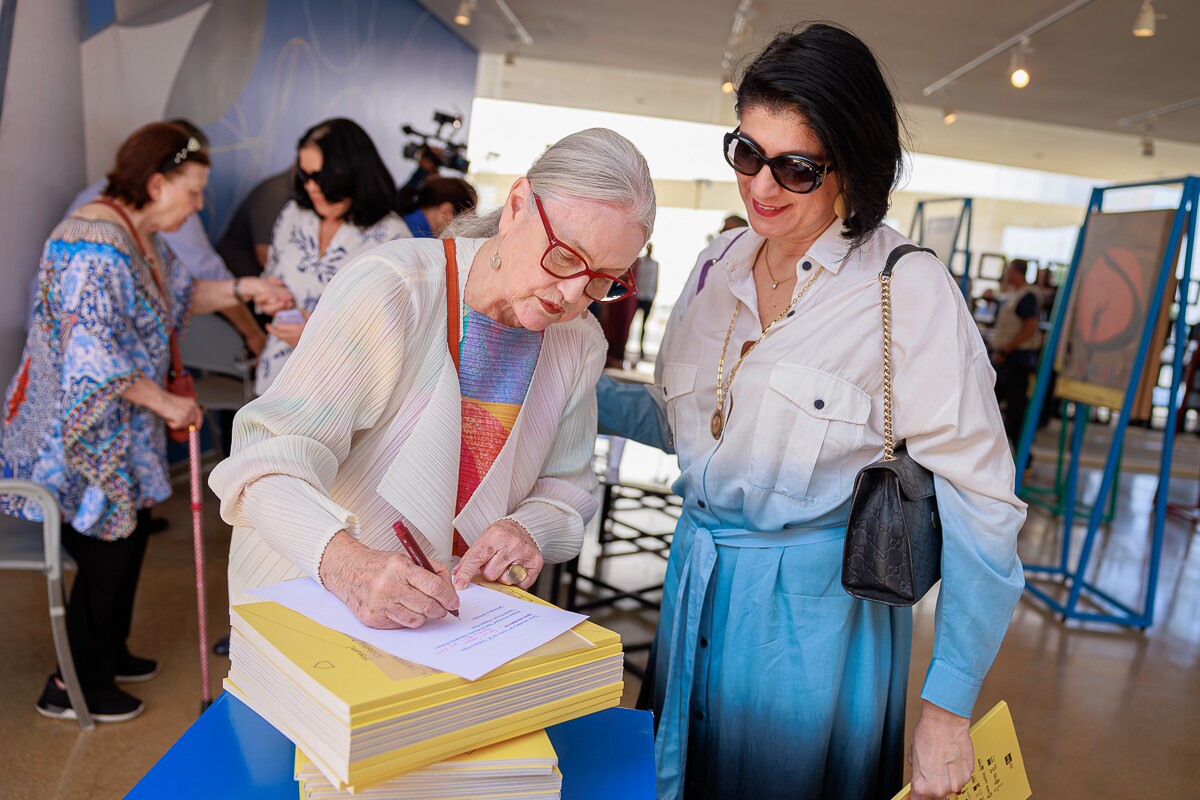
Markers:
<point>269,294</point>
<point>180,412</point>
<point>503,544</point>
<point>385,589</point>
<point>941,755</point>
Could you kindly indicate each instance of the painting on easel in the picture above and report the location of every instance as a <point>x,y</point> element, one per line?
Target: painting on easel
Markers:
<point>1109,306</point>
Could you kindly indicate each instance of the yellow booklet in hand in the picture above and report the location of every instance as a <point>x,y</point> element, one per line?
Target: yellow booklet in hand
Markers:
<point>999,771</point>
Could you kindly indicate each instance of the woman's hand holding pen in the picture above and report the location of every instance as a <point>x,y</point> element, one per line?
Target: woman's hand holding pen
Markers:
<point>498,548</point>
<point>385,589</point>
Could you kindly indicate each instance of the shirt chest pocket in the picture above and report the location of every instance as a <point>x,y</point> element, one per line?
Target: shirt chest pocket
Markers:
<point>810,423</point>
<point>678,388</point>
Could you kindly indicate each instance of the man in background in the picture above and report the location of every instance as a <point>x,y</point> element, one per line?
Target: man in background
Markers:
<point>646,277</point>
<point>1016,342</point>
<point>734,221</point>
<point>248,237</point>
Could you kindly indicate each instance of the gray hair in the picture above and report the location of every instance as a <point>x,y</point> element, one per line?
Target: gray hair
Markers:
<point>596,164</point>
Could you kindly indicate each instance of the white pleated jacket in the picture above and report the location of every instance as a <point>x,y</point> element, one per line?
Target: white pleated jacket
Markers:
<point>363,427</point>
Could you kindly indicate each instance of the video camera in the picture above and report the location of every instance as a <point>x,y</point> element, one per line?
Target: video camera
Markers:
<point>439,147</point>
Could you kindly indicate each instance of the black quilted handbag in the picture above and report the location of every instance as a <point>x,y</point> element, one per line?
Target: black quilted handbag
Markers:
<point>893,548</point>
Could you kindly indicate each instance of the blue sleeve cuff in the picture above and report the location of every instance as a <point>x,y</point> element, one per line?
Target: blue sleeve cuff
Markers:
<point>950,688</point>
<point>627,410</point>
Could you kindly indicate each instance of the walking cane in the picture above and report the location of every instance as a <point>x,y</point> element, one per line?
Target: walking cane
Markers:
<point>198,542</point>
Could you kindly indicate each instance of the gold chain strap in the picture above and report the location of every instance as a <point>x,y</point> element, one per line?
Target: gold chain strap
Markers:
<point>718,416</point>
<point>889,443</point>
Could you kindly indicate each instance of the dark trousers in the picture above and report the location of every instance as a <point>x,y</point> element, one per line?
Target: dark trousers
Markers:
<point>1012,389</point>
<point>643,306</point>
<point>100,607</point>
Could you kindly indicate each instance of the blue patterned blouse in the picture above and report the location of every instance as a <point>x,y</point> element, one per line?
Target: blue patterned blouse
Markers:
<point>99,323</point>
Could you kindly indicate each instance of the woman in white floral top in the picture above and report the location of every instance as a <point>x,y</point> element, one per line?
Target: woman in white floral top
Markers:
<point>342,201</point>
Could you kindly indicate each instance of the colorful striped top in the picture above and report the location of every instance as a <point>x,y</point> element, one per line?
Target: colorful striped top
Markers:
<point>496,365</point>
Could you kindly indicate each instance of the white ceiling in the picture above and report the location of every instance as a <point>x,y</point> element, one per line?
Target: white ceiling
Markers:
<point>1088,70</point>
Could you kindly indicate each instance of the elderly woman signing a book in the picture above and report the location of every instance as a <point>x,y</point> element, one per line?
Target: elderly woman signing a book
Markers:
<point>444,392</point>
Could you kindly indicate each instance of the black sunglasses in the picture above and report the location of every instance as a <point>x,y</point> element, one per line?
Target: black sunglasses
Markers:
<point>305,177</point>
<point>792,171</point>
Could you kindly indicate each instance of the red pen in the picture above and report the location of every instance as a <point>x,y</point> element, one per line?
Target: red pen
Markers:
<point>414,550</point>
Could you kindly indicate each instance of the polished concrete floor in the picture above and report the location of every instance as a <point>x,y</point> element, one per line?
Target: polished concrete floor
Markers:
<point>1101,711</point>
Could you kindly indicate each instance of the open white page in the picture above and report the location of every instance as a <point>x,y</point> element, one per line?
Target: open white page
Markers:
<point>493,629</point>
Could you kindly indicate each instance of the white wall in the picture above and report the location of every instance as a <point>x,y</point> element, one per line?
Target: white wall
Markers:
<point>41,152</point>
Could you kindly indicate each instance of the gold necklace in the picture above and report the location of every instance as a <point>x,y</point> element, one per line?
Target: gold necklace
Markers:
<point>717,422</point>
<point>767,260</point>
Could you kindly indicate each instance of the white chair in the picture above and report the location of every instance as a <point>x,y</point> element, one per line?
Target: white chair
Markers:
<point>27,545</point>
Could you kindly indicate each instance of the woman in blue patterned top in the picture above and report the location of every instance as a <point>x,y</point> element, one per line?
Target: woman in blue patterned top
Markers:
<point>342,199</point>
<point>84,414</point>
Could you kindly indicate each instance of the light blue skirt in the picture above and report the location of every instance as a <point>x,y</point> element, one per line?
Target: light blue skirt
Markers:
<point>769,681</point>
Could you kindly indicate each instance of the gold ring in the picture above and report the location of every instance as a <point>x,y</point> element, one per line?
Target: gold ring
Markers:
<point>517,573</point>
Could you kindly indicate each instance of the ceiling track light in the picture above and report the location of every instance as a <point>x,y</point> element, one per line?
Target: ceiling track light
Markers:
<point>1145,24</point>
<point>737,35</point>
<point>1018,67</point>
<point>1155,114</point>
<point>463,15</point>
<point>467,7</point>
<point>1004,47</point>
<point>949,115</point>
<point>1147,145</point>
<point>518,30</point>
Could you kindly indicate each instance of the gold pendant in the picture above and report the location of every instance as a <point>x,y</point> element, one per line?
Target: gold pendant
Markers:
<point>717,423</point>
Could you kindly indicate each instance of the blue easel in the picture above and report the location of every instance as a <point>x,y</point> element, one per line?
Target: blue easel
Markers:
<point>962,232</point>
<point>1075,579</point>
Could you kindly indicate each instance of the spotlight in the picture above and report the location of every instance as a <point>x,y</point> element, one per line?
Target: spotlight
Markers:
<point>1146,21</point>
<point>949,116</point>
<point>1018,69</point>
<point>1147,146</point>
<point>726,84</point>
<point>463,15</point>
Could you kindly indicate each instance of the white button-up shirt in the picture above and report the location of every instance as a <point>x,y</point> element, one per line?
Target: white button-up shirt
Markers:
<point>805,414</point>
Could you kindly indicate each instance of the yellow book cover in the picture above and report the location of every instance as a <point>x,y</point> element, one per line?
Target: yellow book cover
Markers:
<point>999,769</point>
<point>361,679</point>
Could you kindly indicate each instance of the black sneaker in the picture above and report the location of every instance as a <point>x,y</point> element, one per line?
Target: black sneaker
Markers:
<point>131,669</point>
<point>106,705</point>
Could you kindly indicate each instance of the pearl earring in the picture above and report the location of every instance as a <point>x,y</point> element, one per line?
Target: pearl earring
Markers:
<point>494,261</point>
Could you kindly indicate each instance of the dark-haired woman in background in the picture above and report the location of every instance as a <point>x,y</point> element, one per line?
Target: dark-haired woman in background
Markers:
<point>341,206</point>
<point>770,681</point>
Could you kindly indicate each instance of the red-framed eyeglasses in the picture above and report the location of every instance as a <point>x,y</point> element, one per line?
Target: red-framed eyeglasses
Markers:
<point>563,261</point>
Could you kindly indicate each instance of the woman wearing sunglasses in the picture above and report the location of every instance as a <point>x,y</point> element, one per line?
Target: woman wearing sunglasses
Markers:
<point>769,680</point>
<point>342,198</point>
<point>444,391</point>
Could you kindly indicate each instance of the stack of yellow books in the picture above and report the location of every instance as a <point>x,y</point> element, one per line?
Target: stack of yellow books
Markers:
<point>524,767</point>
<point>362,717</point>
